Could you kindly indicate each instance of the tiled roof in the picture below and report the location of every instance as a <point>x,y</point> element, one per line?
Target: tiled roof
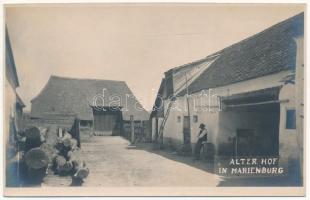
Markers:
<point>270,51</point>
<point>70,95</point>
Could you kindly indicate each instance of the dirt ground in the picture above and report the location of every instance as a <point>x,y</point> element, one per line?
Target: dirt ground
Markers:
<point>114,162</point>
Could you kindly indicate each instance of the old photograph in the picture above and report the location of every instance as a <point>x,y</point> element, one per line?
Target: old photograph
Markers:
<point>171,96</point>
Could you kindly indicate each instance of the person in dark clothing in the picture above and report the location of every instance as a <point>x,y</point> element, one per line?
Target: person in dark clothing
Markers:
<point>201,138</point>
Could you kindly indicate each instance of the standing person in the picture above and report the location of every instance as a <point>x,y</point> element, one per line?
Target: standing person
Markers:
<point>201,138</point>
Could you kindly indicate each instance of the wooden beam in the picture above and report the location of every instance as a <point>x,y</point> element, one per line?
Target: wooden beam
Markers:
<point>254,104</point>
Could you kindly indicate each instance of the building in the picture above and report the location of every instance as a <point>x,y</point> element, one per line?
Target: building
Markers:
<point>13,103</point>
<point>249,95</point>
<point>13,111</point>
<point>102,106</point>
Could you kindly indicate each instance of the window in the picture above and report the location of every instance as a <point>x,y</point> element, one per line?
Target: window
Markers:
<point>179,119</point>
<point>85,123</point>
<point>291,119</point>
<point>195,118</point>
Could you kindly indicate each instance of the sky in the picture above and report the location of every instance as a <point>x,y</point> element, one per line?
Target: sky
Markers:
<point>135,43</point>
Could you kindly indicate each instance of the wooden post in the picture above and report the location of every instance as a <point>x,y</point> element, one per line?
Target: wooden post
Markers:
<point>132,129</point>
<point>156,130</point>
<point>161,139</point>
<point>188,111</point>
<point>142,133</point>
<point>60,133</point>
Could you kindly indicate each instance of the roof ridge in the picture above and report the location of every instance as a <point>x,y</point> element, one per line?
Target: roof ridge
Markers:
<point>290,27</point>
<point>272,27</point>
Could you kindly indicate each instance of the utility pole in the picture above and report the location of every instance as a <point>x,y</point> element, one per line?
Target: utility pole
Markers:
<point>188,108</point>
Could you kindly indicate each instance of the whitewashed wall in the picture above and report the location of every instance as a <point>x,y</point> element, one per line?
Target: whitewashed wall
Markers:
<point>300,95</point>
<point>287,137</point>
<point>174,130</point>
<point>291,140</point>
<point>9,110</point>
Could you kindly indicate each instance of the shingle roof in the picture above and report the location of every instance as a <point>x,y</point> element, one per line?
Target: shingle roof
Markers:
<point>70,95</point>
<point>270,51</point>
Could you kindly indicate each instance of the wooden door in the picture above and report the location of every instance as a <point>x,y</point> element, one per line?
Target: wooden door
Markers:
<point>186,130</point>
<point>105,123</point>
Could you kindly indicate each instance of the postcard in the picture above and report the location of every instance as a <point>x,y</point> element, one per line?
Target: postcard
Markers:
<point>154,99</point>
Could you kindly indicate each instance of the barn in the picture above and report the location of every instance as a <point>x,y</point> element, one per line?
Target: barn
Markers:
<point>103,107</point>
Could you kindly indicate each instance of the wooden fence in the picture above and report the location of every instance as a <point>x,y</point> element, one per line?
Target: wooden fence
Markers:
<point>137,131</point>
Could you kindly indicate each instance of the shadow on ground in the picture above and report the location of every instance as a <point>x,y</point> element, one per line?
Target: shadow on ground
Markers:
<point>208,166</point>
<point>172,155</point>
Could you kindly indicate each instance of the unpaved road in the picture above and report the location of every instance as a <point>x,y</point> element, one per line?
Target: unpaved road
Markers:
<point>113,162</point>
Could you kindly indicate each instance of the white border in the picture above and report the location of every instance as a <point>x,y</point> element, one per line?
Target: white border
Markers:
<point>307,72</point>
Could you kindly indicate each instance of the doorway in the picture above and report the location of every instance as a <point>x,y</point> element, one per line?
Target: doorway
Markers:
<point>107,122</point>
<point>186,130</point>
